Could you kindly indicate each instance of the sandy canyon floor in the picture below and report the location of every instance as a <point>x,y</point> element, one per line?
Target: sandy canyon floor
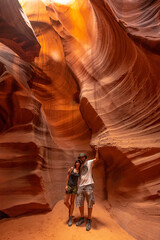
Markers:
<point>53,226</point>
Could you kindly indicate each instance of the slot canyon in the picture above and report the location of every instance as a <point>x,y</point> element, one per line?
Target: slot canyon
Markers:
<point>75,74</point>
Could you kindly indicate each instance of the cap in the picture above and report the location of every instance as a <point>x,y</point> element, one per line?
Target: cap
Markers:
<point>82,155</point>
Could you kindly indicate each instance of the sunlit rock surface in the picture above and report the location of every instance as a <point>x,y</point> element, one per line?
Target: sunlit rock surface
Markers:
<point>140,19</point>
<point>97,80</point>
<point>56,128</point>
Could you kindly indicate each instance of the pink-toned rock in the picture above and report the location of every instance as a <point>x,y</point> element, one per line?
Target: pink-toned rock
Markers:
<point>48,93</point>
<point>16,31</point>
<point>97,81</point>
<point>119,100</point>
<point>27,149</point>
<point>140,19</point>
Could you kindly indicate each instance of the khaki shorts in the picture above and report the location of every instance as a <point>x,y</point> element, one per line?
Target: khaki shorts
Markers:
<point>85,192</point>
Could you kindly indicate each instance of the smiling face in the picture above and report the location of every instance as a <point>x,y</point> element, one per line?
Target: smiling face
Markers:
<point>77,165</point>
<point>83,158</point>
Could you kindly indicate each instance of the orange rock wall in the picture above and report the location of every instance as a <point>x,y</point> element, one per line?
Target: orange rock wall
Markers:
<point>97,81</point>
<point>47,116</point>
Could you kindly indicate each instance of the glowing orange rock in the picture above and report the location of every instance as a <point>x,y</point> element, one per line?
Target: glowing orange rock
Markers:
<point>97,78</point>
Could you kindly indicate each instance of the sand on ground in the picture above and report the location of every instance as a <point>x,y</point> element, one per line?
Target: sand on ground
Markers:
<point>53,226</point>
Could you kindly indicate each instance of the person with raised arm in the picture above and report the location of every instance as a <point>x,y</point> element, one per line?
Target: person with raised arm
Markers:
<point>86,188</point>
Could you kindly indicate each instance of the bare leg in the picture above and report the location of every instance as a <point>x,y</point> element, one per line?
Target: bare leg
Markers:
<point>89,213</point>
<point>66,200</point>
<point>81,209</point>
<point>72,204</point>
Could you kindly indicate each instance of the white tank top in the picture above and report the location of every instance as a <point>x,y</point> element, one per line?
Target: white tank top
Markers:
<point>86,173</point>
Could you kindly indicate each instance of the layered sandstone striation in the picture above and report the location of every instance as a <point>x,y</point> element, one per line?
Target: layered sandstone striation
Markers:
<point>97,81</point>
<point>16,31</point>
<point>40,107</point>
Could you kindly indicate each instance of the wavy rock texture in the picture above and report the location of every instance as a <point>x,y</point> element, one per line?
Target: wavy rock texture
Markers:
<point>55,86</point>
<point>44,98</point>
<point>102,57</point>
<point>140,19</point>
<point>119,100</point>
<point>24,143</point>
<point>16,31</point>
<point>27,147</point>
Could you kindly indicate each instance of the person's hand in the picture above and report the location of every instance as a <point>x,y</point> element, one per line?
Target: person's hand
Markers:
<point>66,188</point>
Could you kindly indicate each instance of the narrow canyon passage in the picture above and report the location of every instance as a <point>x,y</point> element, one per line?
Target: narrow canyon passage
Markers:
<point>76,75</point>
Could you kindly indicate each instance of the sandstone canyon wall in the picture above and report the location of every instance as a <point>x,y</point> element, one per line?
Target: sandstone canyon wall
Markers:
<point>75,76</point>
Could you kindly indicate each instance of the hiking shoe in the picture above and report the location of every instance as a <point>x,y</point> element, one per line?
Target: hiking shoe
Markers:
<point>80,221</point>
<point>70,221</point>
<point>88,225</point>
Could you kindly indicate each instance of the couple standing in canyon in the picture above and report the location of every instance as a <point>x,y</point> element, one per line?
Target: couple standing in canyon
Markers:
<point>82,170</point>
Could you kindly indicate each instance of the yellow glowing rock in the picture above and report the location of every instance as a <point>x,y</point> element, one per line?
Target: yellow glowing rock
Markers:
<point>62,2</point>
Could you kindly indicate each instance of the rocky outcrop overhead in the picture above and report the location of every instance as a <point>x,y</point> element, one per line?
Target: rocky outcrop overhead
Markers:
<point>16,31</point>
<point>94,81</point>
